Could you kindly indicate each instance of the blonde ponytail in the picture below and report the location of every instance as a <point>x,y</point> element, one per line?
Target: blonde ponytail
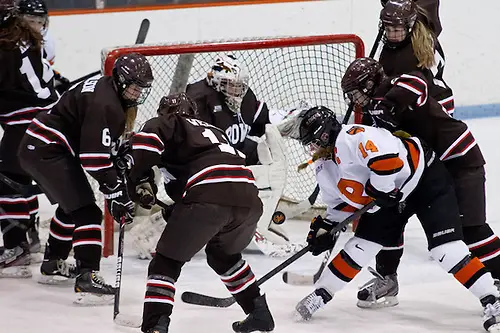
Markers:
<point>326,153</point>
<point>422,40</point>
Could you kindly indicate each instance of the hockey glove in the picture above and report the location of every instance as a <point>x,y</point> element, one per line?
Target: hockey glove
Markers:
<point>382,114</point>
<point>61,83</point>
<point>124,160</point>
<point>383,199</point>
<point>167,212</point>
<point>319,237</point>
<point>144,191</point>
<point>118,202</point>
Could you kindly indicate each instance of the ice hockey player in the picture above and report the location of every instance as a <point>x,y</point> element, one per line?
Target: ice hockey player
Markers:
<point>217,206</point>
<point>404,177</point>
<point>26,82</point>
<point>82,132</point>
<point>225,100</point>
<point>403,103</point>
<point>35,12</point>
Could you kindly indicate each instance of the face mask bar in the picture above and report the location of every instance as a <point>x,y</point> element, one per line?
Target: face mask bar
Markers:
<point>135,95</point>
<point>356,97</point>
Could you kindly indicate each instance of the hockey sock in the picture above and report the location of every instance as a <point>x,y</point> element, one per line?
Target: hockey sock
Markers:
<point>456,259</point>
<point>15,220</point>
<point>387,261</point>
<point>238,278</point>
<point>87,241</point>
<point>163,272</point>
<point>484,245</point>
<point>60,236</point>
<point>33,206</point>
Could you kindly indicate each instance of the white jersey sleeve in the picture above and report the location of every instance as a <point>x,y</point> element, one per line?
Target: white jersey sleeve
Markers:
<point>49,47</point>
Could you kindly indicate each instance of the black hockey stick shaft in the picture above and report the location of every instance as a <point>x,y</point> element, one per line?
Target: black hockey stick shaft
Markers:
<point>141,37</point>
<point>199,299</point>
<point>377,42</point>
<point>24,190</point>
<point>119,268</point>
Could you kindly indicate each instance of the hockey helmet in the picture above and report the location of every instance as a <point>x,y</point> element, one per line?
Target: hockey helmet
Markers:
<point>133,77</point>
<point>361,79</point>
<point>230,77</point>
<point>178,103</point>
<point>8,9</point>
<point>35,12</point>
<point>318,127</point>
<point>398,18</point>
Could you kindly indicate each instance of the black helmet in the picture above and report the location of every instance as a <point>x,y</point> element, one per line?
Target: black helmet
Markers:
<point>318,126</point>
<point>33,7</point>
<point>8,9</point>
<point>178,103</point>
<point>133,69</point>
<point>363,75</point>
<point>396,13</point>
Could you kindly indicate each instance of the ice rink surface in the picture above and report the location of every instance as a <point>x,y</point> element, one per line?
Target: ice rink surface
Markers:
<point>430,299</point>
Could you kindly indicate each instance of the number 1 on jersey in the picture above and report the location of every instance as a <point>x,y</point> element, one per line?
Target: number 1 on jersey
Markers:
<point>224,147</point>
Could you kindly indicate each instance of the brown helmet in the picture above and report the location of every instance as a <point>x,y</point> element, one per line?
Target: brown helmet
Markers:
<point>8,9</point>
<point>178,103</point>
<point>399,13</point>
<point>129,69</point>
<point>363,74</point>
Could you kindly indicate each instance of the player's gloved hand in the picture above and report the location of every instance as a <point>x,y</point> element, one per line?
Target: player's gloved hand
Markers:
<point>167,212</point>
<point>144,190</point>
<point>124,160</point>
<point>382,113</point>
<point>383,199</point>
<point>118,201</point>
<point>61,83</point>
<point>319,237</point>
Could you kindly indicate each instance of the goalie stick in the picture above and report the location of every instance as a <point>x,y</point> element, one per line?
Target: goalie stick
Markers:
<point>200,299</point>
<point>306,279</point>
<point>141,37</point>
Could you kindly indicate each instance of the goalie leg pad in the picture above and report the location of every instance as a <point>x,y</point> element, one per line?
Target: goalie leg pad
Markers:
<point>454,257</point>
<point>163,272</point>
<point>145,233</point>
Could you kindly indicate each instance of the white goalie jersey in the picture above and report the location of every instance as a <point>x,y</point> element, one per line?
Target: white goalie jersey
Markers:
<point>365,153</point>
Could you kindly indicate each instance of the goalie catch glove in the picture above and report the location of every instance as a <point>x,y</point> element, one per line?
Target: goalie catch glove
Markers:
<point>118,201</point>
<point>382,113</point>
<point>319,237</point>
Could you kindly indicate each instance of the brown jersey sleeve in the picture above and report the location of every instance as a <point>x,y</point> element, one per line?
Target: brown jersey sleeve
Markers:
<point>149,144</point>
<point>408,90</point>
<point>259,111</point>
<point>102,125</point>
<point>431,8</point>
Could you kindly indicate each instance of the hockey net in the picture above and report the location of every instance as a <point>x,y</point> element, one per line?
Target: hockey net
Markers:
<point>283,71</point>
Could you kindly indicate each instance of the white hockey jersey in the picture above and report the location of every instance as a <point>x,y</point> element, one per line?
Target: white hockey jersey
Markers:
<point>365,153</point>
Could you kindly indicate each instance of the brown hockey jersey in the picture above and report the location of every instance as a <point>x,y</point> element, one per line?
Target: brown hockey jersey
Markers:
<point>421,115</point>
<point>26,85</point>
<point>88,121</point>
<point>251,121</point>
<point>432,20</point>
<point>206,168</point>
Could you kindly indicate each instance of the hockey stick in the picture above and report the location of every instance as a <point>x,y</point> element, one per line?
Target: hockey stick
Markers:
<point>24,190</point>
<point>199,299</point>
<point>377,42</point>
<point>141,37</point>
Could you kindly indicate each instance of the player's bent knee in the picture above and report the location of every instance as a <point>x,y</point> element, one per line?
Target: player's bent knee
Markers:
<point>221,262</point>
<point>161,265</point>
<point>448,255</point>
<point>361,251</point>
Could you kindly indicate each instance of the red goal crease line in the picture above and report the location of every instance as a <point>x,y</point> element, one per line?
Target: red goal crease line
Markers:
<point>65,12</point>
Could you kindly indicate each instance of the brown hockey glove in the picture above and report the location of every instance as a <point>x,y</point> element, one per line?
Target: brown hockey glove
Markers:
<point>118,201</point>
<point>61,83</point>
<point>383,199</point>
<point>144,191</point>
<point>382,114</point>
<point>319,237</point>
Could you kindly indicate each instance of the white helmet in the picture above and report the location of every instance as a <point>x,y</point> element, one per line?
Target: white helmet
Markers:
<point>229,77</point>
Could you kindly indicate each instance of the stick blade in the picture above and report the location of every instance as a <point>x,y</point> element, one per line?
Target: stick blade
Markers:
<point>199,299</point>
<point>143,32</point>
<point>128,320</point>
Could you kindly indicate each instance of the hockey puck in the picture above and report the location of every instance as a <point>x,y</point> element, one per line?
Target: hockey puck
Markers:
<point>278,217</point>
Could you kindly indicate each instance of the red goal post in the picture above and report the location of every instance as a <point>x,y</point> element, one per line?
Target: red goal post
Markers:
<point>282,72</point>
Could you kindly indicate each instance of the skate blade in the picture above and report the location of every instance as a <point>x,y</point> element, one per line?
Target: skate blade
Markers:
<point>494,328</point>
<point>384,302</point>
<point>91,299</point>
<point>54,280</point>
<point>16,272</point>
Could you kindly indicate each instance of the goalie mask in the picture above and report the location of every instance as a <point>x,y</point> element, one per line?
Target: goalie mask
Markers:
<point>361,79</point>
<point>319,127</point>
<point>133,77</point>
<point>398,18</point>
<point>177,103</point>
<point>35,13</point>
<point>229,77</point>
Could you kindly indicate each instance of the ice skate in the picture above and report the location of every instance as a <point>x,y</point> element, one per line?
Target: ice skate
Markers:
<point>260,319</point>
<point>14,263</point>
<point>379,292</point>
<point>312,303</point>
<point>161,326</point>
<point>91,289</point>
<point>56,271</point>
<point>491,313</point>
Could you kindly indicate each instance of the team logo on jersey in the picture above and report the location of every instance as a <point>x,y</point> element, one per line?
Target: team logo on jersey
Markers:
<point>237,132</point>
<point>217,108</point>
<point>355,130</point>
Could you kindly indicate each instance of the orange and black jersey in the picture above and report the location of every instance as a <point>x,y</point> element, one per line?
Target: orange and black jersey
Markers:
<point>26,85</point>
<point>205,167</point>
<point>88,122</point>
<point>421,115</point>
